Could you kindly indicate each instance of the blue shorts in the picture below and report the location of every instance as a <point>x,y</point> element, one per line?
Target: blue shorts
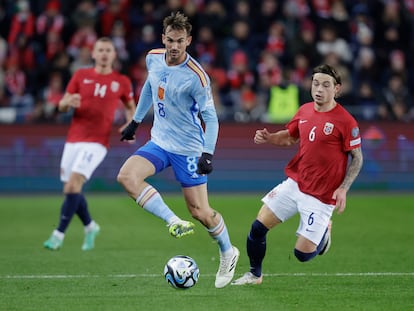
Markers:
<point>184,167</point>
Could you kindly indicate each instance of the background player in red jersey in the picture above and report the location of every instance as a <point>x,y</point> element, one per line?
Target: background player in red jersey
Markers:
<point>317,176</point>
<point>94,94</point>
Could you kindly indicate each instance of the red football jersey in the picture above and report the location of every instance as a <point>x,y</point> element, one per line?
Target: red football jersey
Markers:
<point>100,96</point>
<point>320,164</point>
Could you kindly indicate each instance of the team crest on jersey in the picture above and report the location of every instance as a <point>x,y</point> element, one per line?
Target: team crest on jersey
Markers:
<point>328,128</point>
<point>161,93</point>
<point>114,86</point>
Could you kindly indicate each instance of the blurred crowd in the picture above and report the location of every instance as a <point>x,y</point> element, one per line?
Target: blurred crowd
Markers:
<point>259,53</point>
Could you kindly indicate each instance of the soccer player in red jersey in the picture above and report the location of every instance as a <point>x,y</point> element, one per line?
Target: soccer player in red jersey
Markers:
<point>94,94</point>
<point>318,176</point>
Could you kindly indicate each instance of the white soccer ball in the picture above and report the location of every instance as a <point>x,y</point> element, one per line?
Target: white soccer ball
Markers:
<point>181,272</point>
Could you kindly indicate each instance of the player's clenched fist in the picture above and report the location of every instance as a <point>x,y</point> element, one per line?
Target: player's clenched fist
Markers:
<point>261,136</point>
<point>69,101</point>
<point>205,164</point>
<point>128,133</point>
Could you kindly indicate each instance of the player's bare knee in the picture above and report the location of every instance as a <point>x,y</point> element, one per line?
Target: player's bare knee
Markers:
<point>123,178</point>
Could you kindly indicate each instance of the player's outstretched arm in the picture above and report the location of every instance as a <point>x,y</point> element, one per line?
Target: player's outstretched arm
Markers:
<point>279,138</point>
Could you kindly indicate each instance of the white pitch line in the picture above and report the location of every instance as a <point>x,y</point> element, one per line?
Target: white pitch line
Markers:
<point>124,276</point>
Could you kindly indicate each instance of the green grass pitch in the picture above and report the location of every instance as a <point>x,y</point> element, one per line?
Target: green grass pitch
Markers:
<point>370,265</point>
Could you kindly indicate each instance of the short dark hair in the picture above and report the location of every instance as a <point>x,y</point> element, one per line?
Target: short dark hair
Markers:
<point>329,70</point>
<point>177,21</point>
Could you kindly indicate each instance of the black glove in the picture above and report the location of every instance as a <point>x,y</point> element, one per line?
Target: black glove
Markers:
<point>128,133</point>
<point>205,164</point>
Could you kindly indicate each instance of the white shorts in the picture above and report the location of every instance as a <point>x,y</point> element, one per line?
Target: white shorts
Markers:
<point>286,200</point>
<point>82,158</point>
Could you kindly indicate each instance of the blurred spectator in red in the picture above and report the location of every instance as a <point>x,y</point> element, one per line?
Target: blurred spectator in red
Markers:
<point>15,82</point>
<point>322,9</point>
<point>54,45</point>
<point>15,78</point>
<point>275,41</point>
<point>84,32</point>
<point>21,33</point>
<point>22,24</point>
<point>49,29</point>
<point>240,79</point>
<point>269,71</point>
<point>84,36</point>
<point>114,12</point>
<point>239,72</point>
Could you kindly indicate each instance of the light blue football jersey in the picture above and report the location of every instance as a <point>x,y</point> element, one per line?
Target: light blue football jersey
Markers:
<point>178,94</point>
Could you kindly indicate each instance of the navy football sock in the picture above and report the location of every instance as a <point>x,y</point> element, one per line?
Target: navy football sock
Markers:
<point>256,247</point>
<point>83,211</point>
<point>302,257</point>
<point>69,207</point>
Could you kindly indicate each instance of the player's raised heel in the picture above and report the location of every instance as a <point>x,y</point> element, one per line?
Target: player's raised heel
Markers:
<point>53,243</point>
<point>227,268</point>
<point>181,228</point>
<point>248,279</point>
<point>90,236</point>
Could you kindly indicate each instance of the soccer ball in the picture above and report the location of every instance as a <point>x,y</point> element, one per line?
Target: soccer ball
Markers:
<point>181,272</point>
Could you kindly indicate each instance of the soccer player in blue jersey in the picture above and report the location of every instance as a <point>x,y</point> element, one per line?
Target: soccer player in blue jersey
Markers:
<point>179,90</point>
